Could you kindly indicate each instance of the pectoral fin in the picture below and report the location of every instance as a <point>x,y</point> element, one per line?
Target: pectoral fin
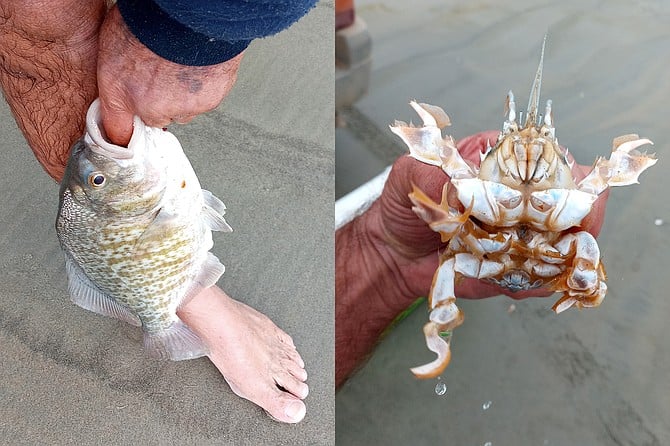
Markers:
<point>163,227</point>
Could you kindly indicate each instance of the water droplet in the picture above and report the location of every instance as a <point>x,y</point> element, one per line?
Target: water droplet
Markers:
<point>488,443</point>
<point>658,222</point>
<point>440,388</point>
<point>486,405</point>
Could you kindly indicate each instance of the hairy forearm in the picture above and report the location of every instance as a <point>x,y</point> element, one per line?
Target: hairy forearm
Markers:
<point>369,290</point>
<point>47,72</point>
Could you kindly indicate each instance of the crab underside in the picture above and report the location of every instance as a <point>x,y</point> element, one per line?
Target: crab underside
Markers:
<point>521,208</point>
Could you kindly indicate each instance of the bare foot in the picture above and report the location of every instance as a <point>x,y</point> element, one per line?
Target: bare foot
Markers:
<point>257,359</point>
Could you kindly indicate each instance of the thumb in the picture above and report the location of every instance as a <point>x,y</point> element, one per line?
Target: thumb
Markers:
<point>117,123</point>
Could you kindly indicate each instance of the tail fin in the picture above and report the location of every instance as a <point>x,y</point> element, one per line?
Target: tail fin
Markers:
<point>177,342</point>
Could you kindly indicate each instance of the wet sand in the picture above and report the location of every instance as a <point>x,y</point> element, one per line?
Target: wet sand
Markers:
<point>69,376</point>
<point>597,376</point>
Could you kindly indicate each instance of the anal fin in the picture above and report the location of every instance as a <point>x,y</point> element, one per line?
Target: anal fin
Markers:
<point>211,271</point>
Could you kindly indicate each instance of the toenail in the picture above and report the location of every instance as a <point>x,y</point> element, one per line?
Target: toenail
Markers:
<point>295,411</point>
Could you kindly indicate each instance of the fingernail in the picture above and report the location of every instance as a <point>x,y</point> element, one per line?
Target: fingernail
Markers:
<point>295,411</point>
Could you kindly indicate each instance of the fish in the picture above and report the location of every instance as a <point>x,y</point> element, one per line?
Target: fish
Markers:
<point>136,229</point>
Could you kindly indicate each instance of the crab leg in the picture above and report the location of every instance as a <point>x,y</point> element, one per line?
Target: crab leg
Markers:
<point>445,315</point>
<point>440,217</point>
<point>585,286</point>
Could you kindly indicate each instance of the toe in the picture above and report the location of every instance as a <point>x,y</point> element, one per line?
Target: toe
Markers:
<point>286,338</point>
<point>295,369</point>
<point>294,356</point>
<point>292,385</point>
<point>287,409</point>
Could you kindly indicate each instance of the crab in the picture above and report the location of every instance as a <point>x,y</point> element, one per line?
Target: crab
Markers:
<point>522,210</point>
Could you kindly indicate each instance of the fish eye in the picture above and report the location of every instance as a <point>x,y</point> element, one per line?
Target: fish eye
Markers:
<point>96,179</point>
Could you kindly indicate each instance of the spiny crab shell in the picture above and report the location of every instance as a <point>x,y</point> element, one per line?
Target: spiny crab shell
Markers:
<point>520,206</point>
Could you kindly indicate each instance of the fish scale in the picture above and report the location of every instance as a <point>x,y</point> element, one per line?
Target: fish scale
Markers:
<point>136,229</point>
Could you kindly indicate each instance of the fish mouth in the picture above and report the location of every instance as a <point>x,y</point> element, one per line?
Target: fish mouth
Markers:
<point>97,140</point>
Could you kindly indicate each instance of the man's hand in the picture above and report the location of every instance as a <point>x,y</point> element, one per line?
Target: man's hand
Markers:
<point>132,80</point>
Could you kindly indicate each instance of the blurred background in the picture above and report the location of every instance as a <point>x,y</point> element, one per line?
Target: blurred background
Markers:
<point>520,375</point>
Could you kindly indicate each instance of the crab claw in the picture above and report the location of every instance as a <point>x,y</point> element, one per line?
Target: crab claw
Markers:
<point>622,168</point>
<point>437,344</point>
<point>629,162</point>
<point>427,145</point>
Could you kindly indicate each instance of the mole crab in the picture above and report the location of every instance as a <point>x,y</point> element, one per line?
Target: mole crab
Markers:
<point>521,210</point>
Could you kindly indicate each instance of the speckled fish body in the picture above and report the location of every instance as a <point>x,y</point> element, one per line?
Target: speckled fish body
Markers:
<point>136,230</point>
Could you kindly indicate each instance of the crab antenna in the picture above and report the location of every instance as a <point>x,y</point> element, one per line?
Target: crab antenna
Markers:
<point>534,98</point>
